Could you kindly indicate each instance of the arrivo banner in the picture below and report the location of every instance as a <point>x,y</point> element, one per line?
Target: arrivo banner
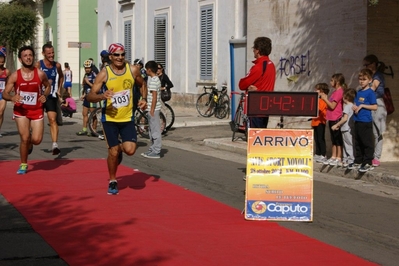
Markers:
<point>279,183</point>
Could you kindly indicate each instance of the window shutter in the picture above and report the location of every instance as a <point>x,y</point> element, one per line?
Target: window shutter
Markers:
<point>206,42</point>
<point>128,40</point>
<point>160,40</point>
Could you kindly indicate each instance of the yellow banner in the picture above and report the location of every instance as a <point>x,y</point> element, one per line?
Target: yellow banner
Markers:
<point>279,175</point>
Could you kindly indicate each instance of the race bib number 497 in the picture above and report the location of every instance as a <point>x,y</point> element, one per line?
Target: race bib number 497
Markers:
<point>29,98</point>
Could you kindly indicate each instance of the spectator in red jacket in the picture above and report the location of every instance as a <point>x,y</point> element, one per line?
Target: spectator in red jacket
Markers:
<point>261,76</point>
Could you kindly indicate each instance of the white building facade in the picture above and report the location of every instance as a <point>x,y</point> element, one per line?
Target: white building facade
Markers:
<point>190,38</point>
<point>208,42</point>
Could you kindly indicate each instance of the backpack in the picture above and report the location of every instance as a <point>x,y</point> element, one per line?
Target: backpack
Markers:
<point>388,101</point>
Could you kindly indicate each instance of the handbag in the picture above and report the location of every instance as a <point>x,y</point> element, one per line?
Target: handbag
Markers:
<point>388,101</point>
<point>166,95</point>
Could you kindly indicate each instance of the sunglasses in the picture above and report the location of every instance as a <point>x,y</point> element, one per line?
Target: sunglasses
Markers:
<point>117,55</point>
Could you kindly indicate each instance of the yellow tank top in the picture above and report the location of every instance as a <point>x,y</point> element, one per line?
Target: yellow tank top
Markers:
<point>120,107</point>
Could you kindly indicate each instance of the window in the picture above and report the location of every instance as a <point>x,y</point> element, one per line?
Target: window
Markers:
<point>160,39</point>
<point>206,42</point>
<point>128,40</point>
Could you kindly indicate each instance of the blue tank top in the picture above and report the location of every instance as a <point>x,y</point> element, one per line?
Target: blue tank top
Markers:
<point>91,77</point>
<point>51,74</point>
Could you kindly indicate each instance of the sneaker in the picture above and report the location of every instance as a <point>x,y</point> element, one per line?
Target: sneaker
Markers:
<point>335,162</point>
<point>365,167</point>
<point>316,157</point>
<point>244,178</point>
<point>101,137</point>
<point>113,188</point>
<point>82,133</point>
<point>345,164</point>
<point>327,162</point>
<point>353,166</point>
<point>321,159</point>
<point>151,155</point>
<point>375,162</point>
<point>1,136</point>
<point>145,153</point>
<point>23,168</point>
<point>55,149</point>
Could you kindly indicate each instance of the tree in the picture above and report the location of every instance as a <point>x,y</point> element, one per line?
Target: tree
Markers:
<point>17,27</point>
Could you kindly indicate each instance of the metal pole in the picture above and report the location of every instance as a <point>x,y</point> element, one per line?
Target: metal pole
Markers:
<point>80,81</point>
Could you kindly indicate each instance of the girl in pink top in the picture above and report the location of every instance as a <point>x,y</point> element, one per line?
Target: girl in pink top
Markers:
<point>68,105</point>
<point>334,114</point>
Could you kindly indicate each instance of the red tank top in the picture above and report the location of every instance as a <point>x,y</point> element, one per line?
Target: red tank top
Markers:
<point>30,90</point>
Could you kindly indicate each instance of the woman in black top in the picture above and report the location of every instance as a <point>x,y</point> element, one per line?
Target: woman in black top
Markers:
<point>165,81</point>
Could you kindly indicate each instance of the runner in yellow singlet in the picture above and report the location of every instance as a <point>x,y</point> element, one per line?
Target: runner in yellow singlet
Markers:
<point>117,81</point>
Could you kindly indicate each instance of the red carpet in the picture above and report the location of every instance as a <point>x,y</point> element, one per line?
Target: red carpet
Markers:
<point>150,222</point>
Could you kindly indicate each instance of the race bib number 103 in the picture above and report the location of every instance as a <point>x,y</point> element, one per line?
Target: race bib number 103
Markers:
<point>121,99</point>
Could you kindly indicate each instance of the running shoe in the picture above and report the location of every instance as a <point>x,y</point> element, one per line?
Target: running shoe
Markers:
<point>1,136</point>
<point>113,188</point>
<point>375,162</point>
<point>334,162</point>
<point>151,155</point>
<point>55,149</point>
<point>353,166</point>
<point>145,153</point>
<point>327,162</point>
<point>82,133</point>
<point>101,137</point>
<point>23,168</point>
<point>365,167</point>
<point>321,159</point>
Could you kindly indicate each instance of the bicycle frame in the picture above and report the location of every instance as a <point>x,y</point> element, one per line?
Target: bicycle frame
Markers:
<point>242,103</point>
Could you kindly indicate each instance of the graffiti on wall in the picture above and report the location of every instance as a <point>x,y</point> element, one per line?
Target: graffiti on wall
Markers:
<point>295,65</point>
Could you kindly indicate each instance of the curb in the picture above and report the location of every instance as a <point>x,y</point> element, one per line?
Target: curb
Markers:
<point>379,175</point>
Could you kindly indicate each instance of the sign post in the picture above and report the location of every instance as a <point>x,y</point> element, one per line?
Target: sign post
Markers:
<point>79,45</point>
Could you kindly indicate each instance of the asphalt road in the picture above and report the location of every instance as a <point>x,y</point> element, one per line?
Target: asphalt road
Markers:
<point>356,216</point>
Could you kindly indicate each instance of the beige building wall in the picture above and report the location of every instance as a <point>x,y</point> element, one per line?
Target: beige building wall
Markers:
<point>383,41</point>
<point>312,40</point>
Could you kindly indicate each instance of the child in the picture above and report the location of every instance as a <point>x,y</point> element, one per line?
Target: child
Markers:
<point>154,109</point>
<point>319,125</point>
<point>347,126</point>
<point>365,102</point>
<point>68,105</point>
<point>334,114</point>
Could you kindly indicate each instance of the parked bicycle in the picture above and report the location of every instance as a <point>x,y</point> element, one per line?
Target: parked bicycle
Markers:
<point>214,102</point>
<point>142,126</point>
<point>141,122</point>
<point>241,120</point>
<point>169,114</point>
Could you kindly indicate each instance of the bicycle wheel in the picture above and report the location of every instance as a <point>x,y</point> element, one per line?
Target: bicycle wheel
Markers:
<point>169,114</point>
<point>205,104</point>
<point>143,127</point>
<point>223,108</point>
<point>94,123</point>
<point>236,123</point>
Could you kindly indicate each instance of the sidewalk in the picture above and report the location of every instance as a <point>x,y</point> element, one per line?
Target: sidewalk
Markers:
<point>387,173</point>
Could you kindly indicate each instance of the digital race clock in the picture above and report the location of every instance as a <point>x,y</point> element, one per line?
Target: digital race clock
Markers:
<point>282,103</point>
